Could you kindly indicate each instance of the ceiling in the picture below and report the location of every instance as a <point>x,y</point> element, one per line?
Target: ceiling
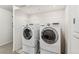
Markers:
<point>32,9</point>
<point>7,7</point>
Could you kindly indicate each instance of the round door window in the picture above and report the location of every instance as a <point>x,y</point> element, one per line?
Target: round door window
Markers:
<point>27,34</point>
<point>49,36</point>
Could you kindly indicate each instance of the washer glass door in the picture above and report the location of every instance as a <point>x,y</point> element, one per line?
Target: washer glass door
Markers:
<point>49,36</point>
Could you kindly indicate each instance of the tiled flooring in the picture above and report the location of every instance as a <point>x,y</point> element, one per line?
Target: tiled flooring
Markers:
<point>7,49</point>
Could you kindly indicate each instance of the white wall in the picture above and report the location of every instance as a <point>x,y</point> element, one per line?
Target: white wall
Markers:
<point>7,7</point>
<point>49,17</point>
<point>5,26</point>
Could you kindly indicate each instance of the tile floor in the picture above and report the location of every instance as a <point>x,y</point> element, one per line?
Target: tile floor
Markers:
<point>7,49</point>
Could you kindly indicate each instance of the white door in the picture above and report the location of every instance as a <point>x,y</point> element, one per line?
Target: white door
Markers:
<point>73,21</point>
<point>75,36</point>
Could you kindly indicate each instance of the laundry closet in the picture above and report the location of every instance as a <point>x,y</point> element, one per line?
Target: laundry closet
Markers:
<point>35,15</point>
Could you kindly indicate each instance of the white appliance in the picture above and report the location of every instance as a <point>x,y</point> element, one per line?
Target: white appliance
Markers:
<point>50,39</point>
<point>30,38</point>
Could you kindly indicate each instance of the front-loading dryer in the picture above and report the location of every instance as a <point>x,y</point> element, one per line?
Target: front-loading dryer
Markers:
<point>50,39</point>
<point>30,38</point>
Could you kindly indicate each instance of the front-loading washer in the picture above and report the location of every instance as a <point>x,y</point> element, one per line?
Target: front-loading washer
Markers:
<point>50,38</point>
<point>30,38</point>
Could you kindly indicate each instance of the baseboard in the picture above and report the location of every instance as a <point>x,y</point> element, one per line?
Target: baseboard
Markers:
<point>1,44</point>
<point>20,51</point>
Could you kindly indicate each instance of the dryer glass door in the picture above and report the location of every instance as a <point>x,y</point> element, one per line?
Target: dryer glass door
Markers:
<point>27,34</point>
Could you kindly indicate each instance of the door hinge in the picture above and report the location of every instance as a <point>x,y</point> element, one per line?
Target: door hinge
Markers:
<point>74,20</point>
